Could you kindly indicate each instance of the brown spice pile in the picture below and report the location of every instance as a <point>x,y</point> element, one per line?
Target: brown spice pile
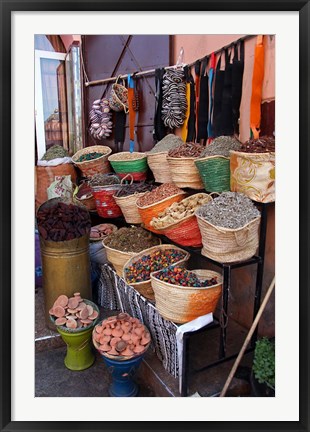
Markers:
<point>131,239</point>
<point>188,149</point>
<point>264,144</point>
<point>163,191</point>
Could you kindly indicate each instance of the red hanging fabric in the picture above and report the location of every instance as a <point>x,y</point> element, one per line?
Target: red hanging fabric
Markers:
<point>257,86</point>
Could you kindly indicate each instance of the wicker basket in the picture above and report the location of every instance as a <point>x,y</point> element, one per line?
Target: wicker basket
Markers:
<point>134,163</point>
<point>128,205</point>
<point>119,258</point>
<point>214,172</point>
<point>94,166</point>
<point>184,232</point>
<point>159,166</point>
<point>181,304</point>
<point>105,202</point>
<point>145,287</point>
<point>103,237</point>
<point>184,172</point>
<point>226,244</point>
<point>89,201</point>
<point>148,212</point>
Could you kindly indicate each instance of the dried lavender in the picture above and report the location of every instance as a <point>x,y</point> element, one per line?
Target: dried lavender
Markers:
<point>169,142</point>
<point>221,146</point>
<point>229,210</point>
<point>103,180</point>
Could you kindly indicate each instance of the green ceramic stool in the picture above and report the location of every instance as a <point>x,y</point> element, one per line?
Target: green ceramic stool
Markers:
<point>79,355</point>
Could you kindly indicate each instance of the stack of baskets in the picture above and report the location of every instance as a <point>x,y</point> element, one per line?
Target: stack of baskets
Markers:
<point>145,287</point>
<point>181,304</point>
<point>134,163</point>
<point>90,167</point>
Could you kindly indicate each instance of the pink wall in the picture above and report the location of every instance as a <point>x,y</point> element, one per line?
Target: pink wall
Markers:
<point>68,39</point>
<point>197,46</point>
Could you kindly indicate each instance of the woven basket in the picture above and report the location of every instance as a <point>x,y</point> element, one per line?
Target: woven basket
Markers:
<point>94,239</point>
<point>215,173</point>
<point>184,172</point>
<point>145,287</point>
<point>98,165</point>
<point>105,202</point>
<point>226,244</point>
<point>159,165</point>
<point>128,205</point>
<point>136,166</point>
<point>181,304</point>
<point>148,212</point>
<point>119,258</point>
<point>184,232</point>
<point>253,174</point>
<point>89,202</point>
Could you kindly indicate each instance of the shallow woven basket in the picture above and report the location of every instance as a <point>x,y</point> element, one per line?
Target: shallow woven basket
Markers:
<point>148,212</point>
<point>119,258</point>
<point>94,166</point>
<point>184,232</point>
<point>89,202</point>
<point>159,166</point>
<point>226,244</point>
<point>181,304</point>
<point>129,208</point>
<point>119,358</point>
<point>184,172</point>
<point>93,239</point>
<point>145,287</point>
<point>136,165</point>
<point>215,173</point>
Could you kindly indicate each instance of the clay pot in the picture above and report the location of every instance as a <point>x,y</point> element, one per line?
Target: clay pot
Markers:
<point>127,352</point>
<point>73,303</point>
<point>135,338</point>
<point>146,338</point>
<point>105,347</point>
<point>58,311</point>
<point>117,332</point>
<point>99,329</point>
<point>62,300</point>
<point>126,337</point>
<point>107,331</point>
<point>113,351</point>
<point>123,316</point>
<point>60,321</point>
<point>104,339</point>
<point>138,349</point>
<point>121,346</point>
<point>139,330</point>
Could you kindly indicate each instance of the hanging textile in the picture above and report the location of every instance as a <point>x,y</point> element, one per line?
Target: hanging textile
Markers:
<point>197,90</point>
<point>202,132</point>
<point>226,126</point>
<point>132,113</point>
<point>211,77</point>
<point>119,130</point>
<point>191,127</point>
<point>257,85</point>
<point>184,128</point>
<point>237,78</point>
<point>159,127</point>
<point>217,99</point>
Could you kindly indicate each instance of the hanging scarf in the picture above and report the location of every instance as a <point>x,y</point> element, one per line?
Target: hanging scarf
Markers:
<point>211,77</point>
<point>197,90</point>
<point>226,127</point>
<point>132,113</point>
<point>257,85</point>
<point>218,95</point>
<point>202,132</point>
<point>184,128</point>
<point>237,77</point>
<point>191,128</point>
<point>159,128</point>
<point>119,130</point>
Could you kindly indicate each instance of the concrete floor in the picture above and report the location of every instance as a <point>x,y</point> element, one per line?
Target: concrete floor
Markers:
<point>53,379</point>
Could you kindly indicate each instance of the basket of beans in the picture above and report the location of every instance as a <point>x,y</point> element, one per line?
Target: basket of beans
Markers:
<point>214,163</point>
<point>178,221</point>
<point>137,270</point>
<point>103,187</point>
<point>127,242</point>
<point>121,337</point>
<point>181,161</point>
<point>252,169</point>
<point>182,295</point>
<point>92,160</point>
<point>156,201</point>
<point>229,226</point>
<point>127,196</point>
<point>134,163</point>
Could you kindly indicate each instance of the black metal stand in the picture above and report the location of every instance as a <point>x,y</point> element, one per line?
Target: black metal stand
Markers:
<point>227,268</point>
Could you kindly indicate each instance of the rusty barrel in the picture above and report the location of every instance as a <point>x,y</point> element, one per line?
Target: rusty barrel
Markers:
<point>65,270</point>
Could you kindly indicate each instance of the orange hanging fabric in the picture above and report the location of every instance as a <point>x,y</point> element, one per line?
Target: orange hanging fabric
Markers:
<point>257,85</point>
<point>184,127</point>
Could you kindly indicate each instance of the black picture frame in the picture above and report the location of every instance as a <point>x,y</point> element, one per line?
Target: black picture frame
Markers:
<point>7,7</point>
